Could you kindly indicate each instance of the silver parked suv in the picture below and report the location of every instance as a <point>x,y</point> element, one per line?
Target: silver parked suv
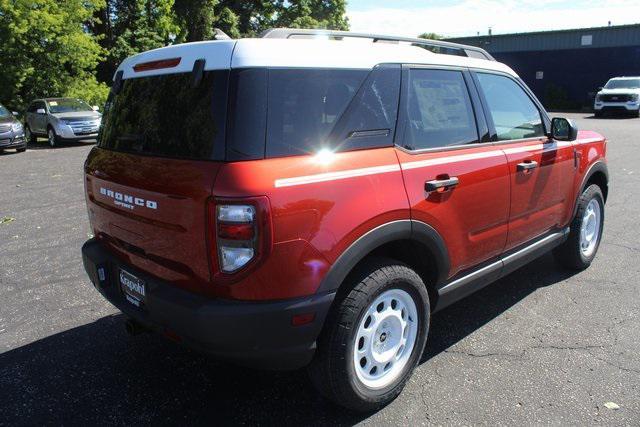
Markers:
<point>61,119</point>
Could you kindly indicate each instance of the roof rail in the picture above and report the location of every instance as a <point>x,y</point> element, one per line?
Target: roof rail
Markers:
<point>437,46</point>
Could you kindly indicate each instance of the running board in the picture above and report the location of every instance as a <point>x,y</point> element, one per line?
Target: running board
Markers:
<point>481,277</point>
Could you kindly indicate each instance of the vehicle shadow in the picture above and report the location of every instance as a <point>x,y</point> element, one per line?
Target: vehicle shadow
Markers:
<point>42,144</point>
<point>611,117</point>
<point>96,373</point>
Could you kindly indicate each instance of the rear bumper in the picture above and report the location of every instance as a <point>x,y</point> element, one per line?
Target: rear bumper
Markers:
<point>254,334</point>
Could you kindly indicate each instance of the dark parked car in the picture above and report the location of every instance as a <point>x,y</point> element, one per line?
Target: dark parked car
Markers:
<point>11,131</point>
<point>61,119</point>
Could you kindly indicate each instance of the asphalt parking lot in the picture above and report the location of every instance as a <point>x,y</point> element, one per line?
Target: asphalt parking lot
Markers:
<point>541,346</point>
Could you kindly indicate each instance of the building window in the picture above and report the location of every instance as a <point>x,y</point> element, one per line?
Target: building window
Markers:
<point>587,40</point>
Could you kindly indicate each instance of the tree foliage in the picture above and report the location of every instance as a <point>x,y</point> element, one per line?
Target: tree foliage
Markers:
<point>430,36</point>
<point>47,50</point>
<point>73,47</point>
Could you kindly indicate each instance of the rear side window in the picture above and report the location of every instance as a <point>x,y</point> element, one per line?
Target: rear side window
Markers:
<point>514,114</point>
<point>167,116</point>
<point>439,111</point>
<point>370,120</point>
<point>304,106</point>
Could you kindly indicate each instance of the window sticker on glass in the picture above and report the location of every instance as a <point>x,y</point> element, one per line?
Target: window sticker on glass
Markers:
<point>53,103</point>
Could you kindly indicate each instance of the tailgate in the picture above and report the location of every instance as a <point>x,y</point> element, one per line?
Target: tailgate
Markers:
<point>152,212</point>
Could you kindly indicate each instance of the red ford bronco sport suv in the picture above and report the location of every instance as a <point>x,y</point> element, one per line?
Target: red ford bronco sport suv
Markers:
<point>286,202</point>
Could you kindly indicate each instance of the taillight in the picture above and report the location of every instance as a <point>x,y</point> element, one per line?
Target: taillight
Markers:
<point>240,234</point>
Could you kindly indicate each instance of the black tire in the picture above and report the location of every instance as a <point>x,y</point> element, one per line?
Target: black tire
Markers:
<point>21,150</point>
<point>52,138</point>
<point>570,253</point>
<point>598,114</point>
<point>31,138</point>
<point>332,371</point>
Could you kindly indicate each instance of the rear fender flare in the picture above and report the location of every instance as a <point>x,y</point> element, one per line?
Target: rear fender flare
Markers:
<point>387,233</point>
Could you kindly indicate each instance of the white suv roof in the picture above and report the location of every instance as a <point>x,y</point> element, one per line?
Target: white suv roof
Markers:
<point>295,53</point>
<point>625,78</point>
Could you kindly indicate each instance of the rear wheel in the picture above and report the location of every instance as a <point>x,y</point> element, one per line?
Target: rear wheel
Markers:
<point>374,337</point>
<point>598,114</point>
<point>29,136</point>
<point>586,231</point>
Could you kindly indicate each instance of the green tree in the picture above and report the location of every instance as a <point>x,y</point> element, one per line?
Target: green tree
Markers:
<point>47,50</point>
<point>199,18</point>
<point>127,27</point>
<point>430,36</point>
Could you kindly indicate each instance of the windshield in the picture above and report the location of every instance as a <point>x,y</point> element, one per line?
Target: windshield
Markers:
<point>4,112</point>
<point>167,116</point>
<point>623,84</point>
<point>68,106</point>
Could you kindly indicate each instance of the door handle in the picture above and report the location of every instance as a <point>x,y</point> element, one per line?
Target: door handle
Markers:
<point>440,185</point>
<point>527,165</point>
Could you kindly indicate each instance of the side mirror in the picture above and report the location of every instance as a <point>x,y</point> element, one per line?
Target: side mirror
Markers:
<point>563,129</point>
<point>95,108</point>
<point>15,113</point>
<point>40,111</point>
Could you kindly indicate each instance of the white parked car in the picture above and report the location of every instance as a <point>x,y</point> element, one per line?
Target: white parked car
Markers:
<point>620,94</point>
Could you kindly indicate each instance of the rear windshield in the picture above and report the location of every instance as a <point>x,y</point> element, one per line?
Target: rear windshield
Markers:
<point>167,116</point>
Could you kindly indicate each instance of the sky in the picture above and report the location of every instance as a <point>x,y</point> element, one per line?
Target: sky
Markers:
<point>458,18</point>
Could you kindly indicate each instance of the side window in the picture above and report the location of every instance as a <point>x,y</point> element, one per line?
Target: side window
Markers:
<point>32,108</point>
<point>514,114</point>
<point>248,107</point>
<point>370,120</point>
<point>304,106</point>
<point>439,110</point>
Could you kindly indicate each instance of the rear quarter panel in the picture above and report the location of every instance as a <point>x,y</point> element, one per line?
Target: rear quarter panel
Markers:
<point>320,205</point>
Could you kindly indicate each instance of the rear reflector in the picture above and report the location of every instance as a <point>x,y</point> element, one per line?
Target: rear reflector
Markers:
<point>156,65</point>
<point>302,319</point>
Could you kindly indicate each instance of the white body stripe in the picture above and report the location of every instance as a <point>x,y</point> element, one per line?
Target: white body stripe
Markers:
<point>351,173</point>
<point>332,176</point>
<point>452,159</point>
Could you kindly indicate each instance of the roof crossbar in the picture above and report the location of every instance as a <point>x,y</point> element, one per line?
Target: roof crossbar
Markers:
<point>437,46</point>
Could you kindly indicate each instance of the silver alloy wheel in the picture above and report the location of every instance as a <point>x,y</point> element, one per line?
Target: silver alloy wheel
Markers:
<point>590,229</point>
<point>52,138</point>
<point>385,338</point>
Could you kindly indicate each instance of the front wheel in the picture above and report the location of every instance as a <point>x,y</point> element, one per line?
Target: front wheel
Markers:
<point>373,338</point>
<point>586,231</point>
<point>52,137</point>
